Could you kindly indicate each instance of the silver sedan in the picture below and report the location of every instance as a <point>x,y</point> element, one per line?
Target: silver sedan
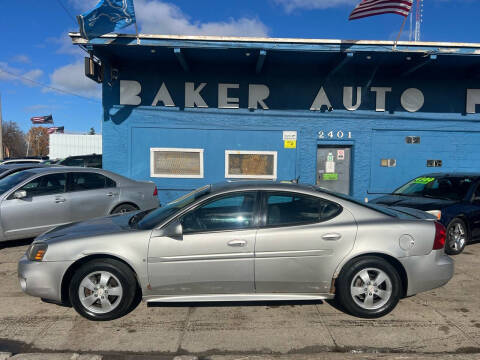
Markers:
<point>251,241</point>
<point>38,199</point>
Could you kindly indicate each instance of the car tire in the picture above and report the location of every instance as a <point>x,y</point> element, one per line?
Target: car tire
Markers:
<point>124,208</point>
<point>358,292</point>
<point>457,237</point>
<point>103,289</point>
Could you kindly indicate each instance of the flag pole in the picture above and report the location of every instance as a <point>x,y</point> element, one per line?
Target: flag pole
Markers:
<point>400,32</point>
<point>136,30</point>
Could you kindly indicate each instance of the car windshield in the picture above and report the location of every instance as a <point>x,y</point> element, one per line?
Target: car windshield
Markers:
<point>14,179</point>
<point>442,187</point>
<point>378,208</point>
<point>155,217</point>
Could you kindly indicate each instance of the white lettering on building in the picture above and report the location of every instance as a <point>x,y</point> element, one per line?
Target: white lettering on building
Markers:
<point>164,96</point>
<point>257,94</point>
<point>381,97</point>
<point>129,91</point>
<point>348,98</point>
<point>412,100</point>
<point>473,99</point>
<point>193,97</point>
<point>225,102</point>
<point>321,100</point>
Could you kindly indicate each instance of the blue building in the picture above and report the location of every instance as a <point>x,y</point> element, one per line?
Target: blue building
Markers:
<point>360,117</point>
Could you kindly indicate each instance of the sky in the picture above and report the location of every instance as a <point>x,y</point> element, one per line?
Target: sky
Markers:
<point>41,72</point>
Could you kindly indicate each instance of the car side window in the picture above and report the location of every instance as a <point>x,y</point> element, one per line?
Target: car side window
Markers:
<point>46,185</point>
<point>89,181</point>
<point>231,212</point>
<point>285,209</point>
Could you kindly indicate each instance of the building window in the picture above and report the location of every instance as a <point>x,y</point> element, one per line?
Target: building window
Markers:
<point>412,139</point>
<point>388,162</point>
<point>251,164</point>
<point>176,163</point>
<point>434,163</point>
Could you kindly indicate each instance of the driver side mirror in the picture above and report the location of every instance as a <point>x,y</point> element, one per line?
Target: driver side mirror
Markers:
<point>173,230</point>
<point>20,194</point>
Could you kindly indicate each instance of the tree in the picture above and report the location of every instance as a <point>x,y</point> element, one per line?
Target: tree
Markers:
<point>14,143</point>
<point>37,138</point>
<point>92,131</point>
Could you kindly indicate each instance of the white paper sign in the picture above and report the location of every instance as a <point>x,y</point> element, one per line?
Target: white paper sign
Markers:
<point>289,135</point>
<point>330,167</point>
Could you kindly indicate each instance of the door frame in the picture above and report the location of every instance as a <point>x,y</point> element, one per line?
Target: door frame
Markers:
<point>332,143</point>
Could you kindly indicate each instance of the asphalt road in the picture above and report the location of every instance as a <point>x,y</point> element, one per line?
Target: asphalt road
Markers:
<point>441,323</point>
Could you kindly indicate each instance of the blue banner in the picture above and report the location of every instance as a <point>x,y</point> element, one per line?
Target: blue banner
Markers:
<point>108,16</point>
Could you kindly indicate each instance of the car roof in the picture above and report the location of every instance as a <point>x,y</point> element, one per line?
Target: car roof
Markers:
<point>454,174</point>
<point>258,185</point>
<point>22,165</point>
<point>57,169</point>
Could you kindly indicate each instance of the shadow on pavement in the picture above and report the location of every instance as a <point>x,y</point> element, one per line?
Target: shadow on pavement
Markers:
<point>15,243</point>
<point>272,303</point>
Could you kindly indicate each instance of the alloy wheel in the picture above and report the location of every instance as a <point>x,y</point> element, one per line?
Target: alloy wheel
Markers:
<point>371,288</point>
<point>100,292</point>
<point>456,237</point>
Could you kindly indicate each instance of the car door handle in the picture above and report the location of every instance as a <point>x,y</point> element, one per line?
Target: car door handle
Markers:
<point>237,243</point>
<point>60,199</point>
<point>331,237</point>
<point>111,194</point>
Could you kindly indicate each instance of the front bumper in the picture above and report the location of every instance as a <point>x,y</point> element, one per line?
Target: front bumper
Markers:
<point>428,272</point>
<point>42,278</point>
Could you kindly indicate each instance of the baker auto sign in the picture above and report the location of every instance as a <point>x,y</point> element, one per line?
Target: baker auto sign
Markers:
<point>412,99</point>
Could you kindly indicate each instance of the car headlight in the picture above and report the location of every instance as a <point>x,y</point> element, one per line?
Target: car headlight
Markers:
<point>436,213</point>
<point>37,251</point>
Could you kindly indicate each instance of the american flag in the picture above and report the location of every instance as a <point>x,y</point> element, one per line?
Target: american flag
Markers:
<point>55,129</point>
<point>48,119</point>
<point>378,7</point>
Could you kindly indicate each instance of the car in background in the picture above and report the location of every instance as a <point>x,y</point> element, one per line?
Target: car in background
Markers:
<point>39,199</point>
<point>453,198</point>
<point>241,241</point>
<point>93,160</point>
<point>9,169</point>
<point>21,161</point>
<point>50,161</point>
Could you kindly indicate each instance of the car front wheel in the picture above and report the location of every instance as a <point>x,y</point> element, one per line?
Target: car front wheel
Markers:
<point>457,237</point>
<point>369,287</point>
<point>102,289</point>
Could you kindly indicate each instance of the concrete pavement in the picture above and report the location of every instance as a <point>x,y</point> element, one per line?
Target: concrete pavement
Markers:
<point>442,323</point>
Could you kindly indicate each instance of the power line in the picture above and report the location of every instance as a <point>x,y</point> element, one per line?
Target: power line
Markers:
<point>47,86</point>
<point>67,11</point>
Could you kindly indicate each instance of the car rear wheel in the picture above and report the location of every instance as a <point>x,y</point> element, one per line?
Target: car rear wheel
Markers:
<point>457,237</point>
<point>103,289</point>
<point>124,208</point>
<point>369,287</point>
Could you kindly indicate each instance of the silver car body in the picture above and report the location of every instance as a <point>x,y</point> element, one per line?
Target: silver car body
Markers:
<point>293,262</point>
<point>33,215</point>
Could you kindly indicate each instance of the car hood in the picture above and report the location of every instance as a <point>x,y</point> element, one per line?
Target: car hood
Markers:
<point>95,227</point>
<point>416,202</point>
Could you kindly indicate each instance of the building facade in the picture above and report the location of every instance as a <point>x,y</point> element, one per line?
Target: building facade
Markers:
<point>64,145</point>
<point>358,117</point>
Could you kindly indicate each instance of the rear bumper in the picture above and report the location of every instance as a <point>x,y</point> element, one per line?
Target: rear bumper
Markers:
<point>42,279</point>
<point>428,272</point>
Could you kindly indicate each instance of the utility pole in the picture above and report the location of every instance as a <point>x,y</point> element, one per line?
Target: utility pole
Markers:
<point>1,130</point>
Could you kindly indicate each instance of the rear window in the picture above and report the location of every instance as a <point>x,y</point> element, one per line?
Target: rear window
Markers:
<point>374,207</point>
<point>442,187</point>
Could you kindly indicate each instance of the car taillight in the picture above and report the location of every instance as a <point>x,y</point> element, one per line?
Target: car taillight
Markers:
<point>155,191</point>
<point>440,236</point>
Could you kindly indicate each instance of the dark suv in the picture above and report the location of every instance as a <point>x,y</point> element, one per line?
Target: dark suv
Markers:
<point>93,160</point>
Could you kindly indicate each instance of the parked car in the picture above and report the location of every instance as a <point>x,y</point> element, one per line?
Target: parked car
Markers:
<point>36,200</point>
<point>93,160</point>
<point>253,241</point>
<point>21,161</point>
<point>50,161</point>
<point>9,169</point>
<point>454,198</point>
